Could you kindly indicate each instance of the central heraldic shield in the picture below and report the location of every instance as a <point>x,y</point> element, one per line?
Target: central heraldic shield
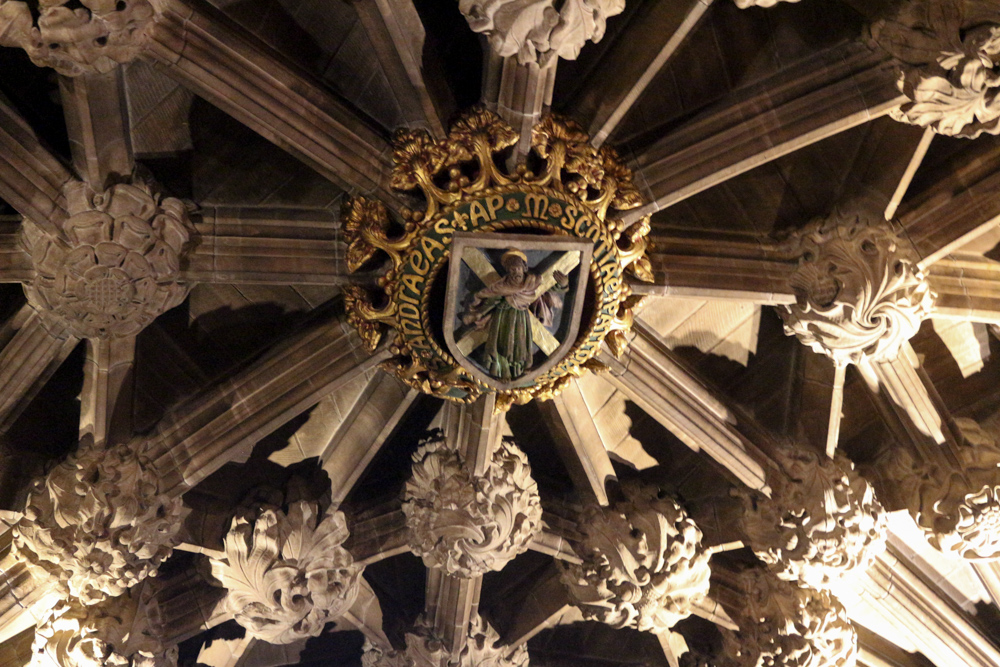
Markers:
<point>513,304</point>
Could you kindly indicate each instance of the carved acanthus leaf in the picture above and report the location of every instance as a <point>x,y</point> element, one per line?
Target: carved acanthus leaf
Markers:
<point>643,562</point>
<point>821,522</point>
<point>423,649</point>
<point>118,267</point>
<point>784,625</point>
<point>535,31</point>
<point>287,574</point>
<point>949,55</point>
<point>467,524</point>
<point>98,524</point>
<point>859,291</point>
<point>89,36</point>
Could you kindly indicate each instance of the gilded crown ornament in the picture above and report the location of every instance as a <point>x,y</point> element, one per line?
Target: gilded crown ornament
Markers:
<point>504,282</point>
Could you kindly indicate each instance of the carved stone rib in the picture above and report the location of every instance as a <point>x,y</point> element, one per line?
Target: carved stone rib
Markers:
<point>533,607</point>
<point>219,652</point>
<point>875,651</point>
<point>17,652</point>
<point>378,533</point>
<point>452,603</point>
<point>224,423</point>
<point>475,431</point>
<point>243,78</point>
<point>106,400</point>
<point>666,390</point>
<point>968,288</point>
<point>31,178</point>
<point>831,93</point>
<point>190,606</point>
<point>518,93</point>
<point>366,615</point>
<point>904,386</point>
<point>15,262</point>
<point>32,352</point>
<point>24,599</point>
<point>97,121</point>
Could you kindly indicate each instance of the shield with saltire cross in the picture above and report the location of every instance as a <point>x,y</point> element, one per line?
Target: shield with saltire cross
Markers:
<point>514,304</point>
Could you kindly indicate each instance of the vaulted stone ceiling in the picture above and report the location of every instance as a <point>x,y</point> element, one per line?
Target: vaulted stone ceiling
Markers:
<point>202,462</point>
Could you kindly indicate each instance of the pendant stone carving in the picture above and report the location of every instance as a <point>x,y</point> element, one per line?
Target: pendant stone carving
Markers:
<point>465,524</point>
<point>286,573</point>
<point>482,649</point>
<point>859,292</point>
<point>118,267</point>
<point>949,56</point>
<point>821,522</point>
<point>643,563</point>
<point>97,523</point>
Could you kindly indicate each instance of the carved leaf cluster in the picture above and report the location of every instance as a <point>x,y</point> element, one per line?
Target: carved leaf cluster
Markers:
<point>73,40</point>
<point>643,563</point>
<point>118,267</point>
<point>859,292</point>
<point>821,522</point>
<point>535,30</point>
<point>97,523</point>
<point>466,524</point>
<point>287,574</point>
<point>949,53</point>
<point>785,625</point>
<point>482,649</point>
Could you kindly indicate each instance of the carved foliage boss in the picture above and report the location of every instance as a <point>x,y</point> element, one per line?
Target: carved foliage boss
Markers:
<point>482,649</point>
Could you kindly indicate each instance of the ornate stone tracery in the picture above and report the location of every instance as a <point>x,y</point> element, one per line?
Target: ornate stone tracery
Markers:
<point>118,267</point>
<point>482,649</point>
<point>93,38</point>
<point>643,563</point>
<point>859,291</point>
<point>466,524</point>
<point>949,52</point>
<point>535,31</point>
<point>821,522</point>
<point>286,573</point>
<point>97,523</point>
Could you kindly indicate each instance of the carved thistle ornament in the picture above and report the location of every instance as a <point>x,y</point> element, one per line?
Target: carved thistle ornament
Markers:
<point>859,292</point>
<point>785,625</point>
<point>98,524</point>
<point>529,269</point>
<point>466,524</point>
<point>821,522</point>
<point>643,563</point>
<point>535,30</point>
<point>949,55</point>
<point>73,38</point>
<point>118,267</point>
<point>482,649</point>
<point>287,574</point>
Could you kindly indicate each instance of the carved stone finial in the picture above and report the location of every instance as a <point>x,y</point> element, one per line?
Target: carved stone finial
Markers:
<point>821,522</point>
<point>958,509</point>
<point>643,563</point>
<point>859,292</point>
<point>95,36</point>
<point>423,649</point>
<point>97,523</point>
<point>122,632</point>
<point>949,55</point>
<point>465,524</point>
<point>287,574</point>
<point>784,625</point>
<point>535,31</point>
<point>118,267</point>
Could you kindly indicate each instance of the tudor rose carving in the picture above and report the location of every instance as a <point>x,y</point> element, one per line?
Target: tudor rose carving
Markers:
<point>286,573</point>
<point>643,563</point>
<point>482,649</point>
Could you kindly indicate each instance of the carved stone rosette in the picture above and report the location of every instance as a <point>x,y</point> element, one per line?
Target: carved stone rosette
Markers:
<point>949,55</point>
<point>89,36</point>
<point>821,522</point>
<point>465,524</point>
<point>287,574</point>
<point>97,523</point>
<point>535,31</point>
<point>482,649</point>
<point>123,632</point>
<point>784,625</point>
<point>118,267</point>
<point>859,292</point>
<point>957,507</point>
<point>643,563</point>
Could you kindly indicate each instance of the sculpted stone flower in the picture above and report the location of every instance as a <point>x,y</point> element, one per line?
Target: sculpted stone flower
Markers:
<point>423,649</point>
<point>287,574</point>
<point>643,563</point>
<point>467,524</point>
<point>118,267</point>
<point>859,292</point>
<point>90,36</point>
<point>97,523</point>
<point>821,522</point>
